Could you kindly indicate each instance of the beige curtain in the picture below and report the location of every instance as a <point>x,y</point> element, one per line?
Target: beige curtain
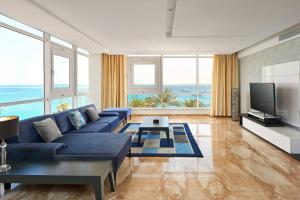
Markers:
<point>113,79</point>
<point>225,77</point>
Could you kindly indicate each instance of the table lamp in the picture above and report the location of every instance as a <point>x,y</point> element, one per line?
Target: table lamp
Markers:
<point>9,127</point>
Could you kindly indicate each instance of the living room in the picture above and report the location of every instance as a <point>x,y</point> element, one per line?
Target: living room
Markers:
<point>172,99</point>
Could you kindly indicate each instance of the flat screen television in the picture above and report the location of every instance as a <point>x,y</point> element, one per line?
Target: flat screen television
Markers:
<point>262,97</point>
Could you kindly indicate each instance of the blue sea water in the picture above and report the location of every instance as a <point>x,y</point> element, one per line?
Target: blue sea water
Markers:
<point>29,92</point>
<point>183,92</point>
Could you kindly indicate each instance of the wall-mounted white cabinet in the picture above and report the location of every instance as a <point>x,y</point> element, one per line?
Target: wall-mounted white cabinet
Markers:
<point>286,77</point>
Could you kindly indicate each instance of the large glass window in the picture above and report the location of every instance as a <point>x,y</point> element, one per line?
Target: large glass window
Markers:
<point>143,75</point>
<point>82,74</point>
<point>61,72</point>
<point>184,82</point>
<point>145,100</point>
<point>19,25</point>
<point>59,105</point>
<point>23,110</point>
<point>21,67</point>
<point>205,81</point>
<point>82,100</point>
<point>60,42</point>
<point>22,89</point>
<point>179,82</point>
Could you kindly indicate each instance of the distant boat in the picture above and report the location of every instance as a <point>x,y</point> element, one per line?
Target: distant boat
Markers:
<point>185,90</point>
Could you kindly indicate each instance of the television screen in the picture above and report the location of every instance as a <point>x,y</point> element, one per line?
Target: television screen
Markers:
<point>262,97</point>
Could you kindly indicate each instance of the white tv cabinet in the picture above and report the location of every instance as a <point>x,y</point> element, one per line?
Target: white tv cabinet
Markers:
<point>284,137</point>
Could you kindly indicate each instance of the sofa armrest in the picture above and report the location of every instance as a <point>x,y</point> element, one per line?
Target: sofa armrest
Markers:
<point>108,114</point>
<point>33,151</point>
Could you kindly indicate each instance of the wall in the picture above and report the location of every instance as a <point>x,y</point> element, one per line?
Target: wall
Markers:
<point>251,65</point>
<point>95,79</point>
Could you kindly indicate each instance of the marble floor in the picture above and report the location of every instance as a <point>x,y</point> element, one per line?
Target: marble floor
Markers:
<point>236,165</point>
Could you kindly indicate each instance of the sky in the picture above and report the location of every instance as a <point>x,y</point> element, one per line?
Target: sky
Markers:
<point>176,71</point>
<point>21,61</point>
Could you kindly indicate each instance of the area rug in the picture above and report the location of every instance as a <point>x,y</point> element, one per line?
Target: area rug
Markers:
<point>155,144</point>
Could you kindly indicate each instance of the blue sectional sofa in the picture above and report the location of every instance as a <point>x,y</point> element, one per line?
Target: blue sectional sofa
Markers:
<point>95,141</point>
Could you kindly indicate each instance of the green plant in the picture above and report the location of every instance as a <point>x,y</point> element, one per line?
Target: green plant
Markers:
<point>137,103</point>
<point>151,101</point>
<point>62,107</point>
<point>190,103</point>
<point>201,104</point>
<point>167,97</point>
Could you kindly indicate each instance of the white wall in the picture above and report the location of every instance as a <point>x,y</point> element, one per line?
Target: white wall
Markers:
<point>95,79</point>
<point>250,66</point>
<point>287,82</point>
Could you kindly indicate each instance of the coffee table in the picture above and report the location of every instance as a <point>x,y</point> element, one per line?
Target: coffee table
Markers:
<point>148,125</point>
<point>62,172</point>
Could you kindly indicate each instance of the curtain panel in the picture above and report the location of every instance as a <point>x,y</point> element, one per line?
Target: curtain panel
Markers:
<point>225,77</point>
<point>113,81</point>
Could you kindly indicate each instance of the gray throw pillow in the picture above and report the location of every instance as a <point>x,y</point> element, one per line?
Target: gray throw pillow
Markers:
<point>92,114</point>
<point>47,129</point>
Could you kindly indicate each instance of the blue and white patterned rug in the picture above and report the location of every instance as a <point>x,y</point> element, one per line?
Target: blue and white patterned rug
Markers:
<point>155,144</point>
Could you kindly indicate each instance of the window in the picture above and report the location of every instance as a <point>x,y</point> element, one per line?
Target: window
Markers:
<point>62,76</point>
<point>23,110</point>
<point>82,100</point>
<point>179,82</point>
<point>20,26</point>
<point>182,82</point>
<point>60,42</point>
<point>82,74</point>
<point>23,90</point>
<point>21,67</point>
<point>143,75</point>
<point>61,72</point>
<point>146,100</point>
<point>82,51</point>
<point>58,105</point>
<point>82,77</point>
<point>205,81</point>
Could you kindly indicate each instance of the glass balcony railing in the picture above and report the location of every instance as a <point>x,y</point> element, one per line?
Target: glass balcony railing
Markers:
<point>179,97</point>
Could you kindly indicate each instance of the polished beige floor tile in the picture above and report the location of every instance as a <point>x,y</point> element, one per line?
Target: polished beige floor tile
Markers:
<point>236,165</point>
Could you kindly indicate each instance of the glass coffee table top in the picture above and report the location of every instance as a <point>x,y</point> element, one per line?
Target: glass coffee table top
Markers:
<point>148,122</point>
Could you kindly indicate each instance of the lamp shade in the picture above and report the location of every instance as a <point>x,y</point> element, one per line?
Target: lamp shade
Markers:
<point>9,127</point>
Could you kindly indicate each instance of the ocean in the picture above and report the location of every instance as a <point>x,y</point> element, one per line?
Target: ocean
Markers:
<point>183,93</point>
<point>28,92</point>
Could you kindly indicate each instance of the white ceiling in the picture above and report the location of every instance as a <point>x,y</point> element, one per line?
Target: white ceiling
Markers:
<point>139,26</point>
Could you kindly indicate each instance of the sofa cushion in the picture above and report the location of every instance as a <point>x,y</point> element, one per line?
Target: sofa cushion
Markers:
<point>112,121</point>
<point>77,119</point>
<point>28,133</point>
<point>47,129</point>
<point>92,114</point>
<point>104,146</point>
<point>82,111</point>
<point>63,121</point>
<point>92,128</point>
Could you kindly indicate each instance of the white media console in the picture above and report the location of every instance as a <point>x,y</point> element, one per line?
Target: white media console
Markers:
<point>284,137</point>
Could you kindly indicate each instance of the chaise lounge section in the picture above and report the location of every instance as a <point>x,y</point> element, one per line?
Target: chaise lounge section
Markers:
<point>95,141</point>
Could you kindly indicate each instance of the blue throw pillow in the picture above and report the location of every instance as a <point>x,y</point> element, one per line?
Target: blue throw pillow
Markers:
<point>77,119</point>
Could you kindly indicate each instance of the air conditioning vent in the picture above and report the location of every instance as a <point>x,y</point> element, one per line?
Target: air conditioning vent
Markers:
<point>290,33</point>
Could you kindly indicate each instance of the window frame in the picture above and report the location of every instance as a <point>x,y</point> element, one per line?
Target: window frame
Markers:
<point>48,94</point>
<point>78,93</point>
<point>23,32</point>
<point>63,52</point>
<point>139,89</point>
<point>196,56</point>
